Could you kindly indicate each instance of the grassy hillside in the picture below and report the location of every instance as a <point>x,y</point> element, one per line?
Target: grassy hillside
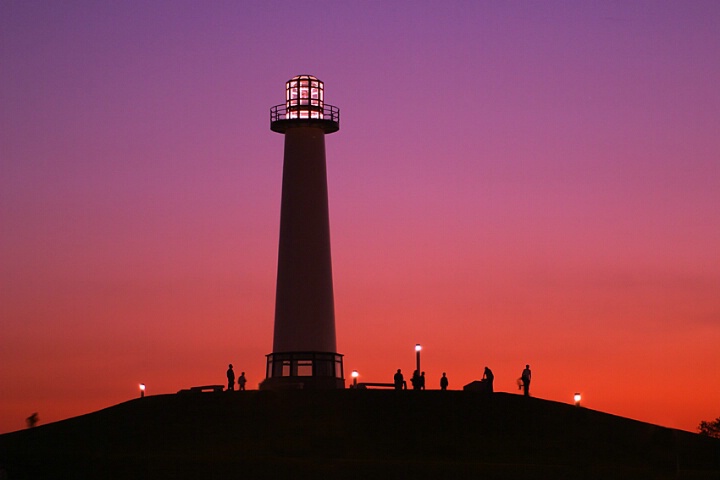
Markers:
<point>354,434</point>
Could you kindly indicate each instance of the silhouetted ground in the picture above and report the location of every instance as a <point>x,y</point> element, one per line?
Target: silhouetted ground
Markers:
<point>354,434</point>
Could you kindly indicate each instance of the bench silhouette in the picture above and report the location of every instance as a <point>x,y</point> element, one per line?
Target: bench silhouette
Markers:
<point>364,385</point>
<point>204,388</point>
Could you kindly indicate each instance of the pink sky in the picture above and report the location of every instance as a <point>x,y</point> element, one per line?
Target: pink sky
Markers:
<point>512,183</point>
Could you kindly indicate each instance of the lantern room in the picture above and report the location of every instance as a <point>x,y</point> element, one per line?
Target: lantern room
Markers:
<point>304,97</point>
<point>304,106</point>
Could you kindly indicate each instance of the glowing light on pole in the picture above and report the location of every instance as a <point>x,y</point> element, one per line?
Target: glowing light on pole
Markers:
<point>577,399</point>
<point>142,390</point>
<point>417,357</point>
<point>355,375</point>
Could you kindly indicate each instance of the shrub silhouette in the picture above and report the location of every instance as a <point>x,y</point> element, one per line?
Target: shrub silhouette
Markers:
<point>711,429</point>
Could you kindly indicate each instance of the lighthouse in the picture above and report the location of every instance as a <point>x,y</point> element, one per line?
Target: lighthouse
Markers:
<point>304,353</point>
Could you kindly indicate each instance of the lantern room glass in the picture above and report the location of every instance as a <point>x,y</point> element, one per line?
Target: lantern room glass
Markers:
<point>304,97</point>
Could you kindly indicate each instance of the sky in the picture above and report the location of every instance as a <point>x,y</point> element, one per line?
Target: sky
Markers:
<point>512,183</point>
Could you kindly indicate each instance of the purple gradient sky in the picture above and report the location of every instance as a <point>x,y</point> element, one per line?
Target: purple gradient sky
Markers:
<point>513,182</point>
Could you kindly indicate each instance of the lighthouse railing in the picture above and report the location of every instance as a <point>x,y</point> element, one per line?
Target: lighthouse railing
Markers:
<point>326,112</point>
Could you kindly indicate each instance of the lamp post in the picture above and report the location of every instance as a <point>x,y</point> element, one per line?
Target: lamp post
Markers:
<point>142,390</point>
<point>577,398</point>
<point>417,357</point>
<point>355,375</point>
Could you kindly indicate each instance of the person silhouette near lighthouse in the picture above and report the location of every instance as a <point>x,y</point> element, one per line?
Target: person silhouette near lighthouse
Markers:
<point>231,378</point>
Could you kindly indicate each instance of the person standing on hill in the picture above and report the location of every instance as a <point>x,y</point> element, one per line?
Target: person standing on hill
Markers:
<point>525,377</point>
<point>415,380</point>
<point>399,380</point>
<point>241,381</point>
<point>488,378</point>
<point>443,382</point>
<point>231,378</point>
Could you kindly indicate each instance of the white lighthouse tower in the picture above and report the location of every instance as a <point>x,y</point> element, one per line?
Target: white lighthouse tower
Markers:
<point>304,351</point>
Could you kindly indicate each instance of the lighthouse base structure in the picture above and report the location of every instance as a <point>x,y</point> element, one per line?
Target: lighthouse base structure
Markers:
<point>303,370</point>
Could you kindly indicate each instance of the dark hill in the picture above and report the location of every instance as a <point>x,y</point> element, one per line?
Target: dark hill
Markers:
<point>354,434</point>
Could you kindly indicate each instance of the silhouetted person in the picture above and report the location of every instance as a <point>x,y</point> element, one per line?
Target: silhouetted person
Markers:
<point>443,382</point>
<point>488,378</point>
<point>231,378</point>
<point>422,381</point>
<point>241,381</point>
<point>415,380</point>
<point>399,380</point>
<point>32,420</point>
<point>525,377</point>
